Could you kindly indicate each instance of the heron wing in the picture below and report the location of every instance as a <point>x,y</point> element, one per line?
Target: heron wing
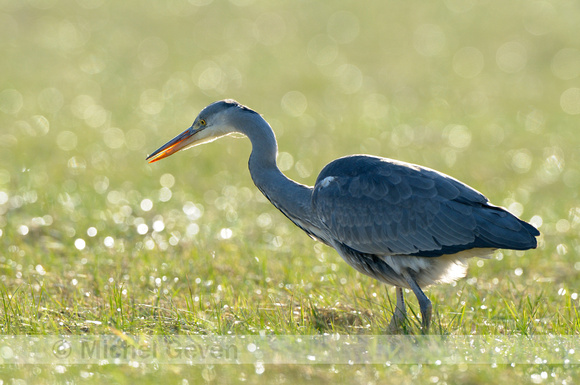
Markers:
<point>381,206</point>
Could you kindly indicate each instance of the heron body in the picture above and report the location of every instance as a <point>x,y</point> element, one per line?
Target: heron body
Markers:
<point>400,223</point>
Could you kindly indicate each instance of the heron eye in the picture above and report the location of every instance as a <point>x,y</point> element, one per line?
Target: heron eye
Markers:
<point>202,122</point>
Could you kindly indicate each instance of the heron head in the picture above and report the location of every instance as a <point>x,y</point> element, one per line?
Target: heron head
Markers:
<point>213,122</point>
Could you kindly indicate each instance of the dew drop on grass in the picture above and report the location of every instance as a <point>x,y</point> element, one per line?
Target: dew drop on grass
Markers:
<point>146,204</point>
<point>149,244</point>
<point>3,197</point>
<point>322,50</point>
<point>192,210</point>
<point>167,180</point>
<point>40,269</point>
<point>142,229</point>
<point>516,208</point>
<point>458,136</point>
<point>570,101</point>
<point>562,249</point>
<point>521,160</point>
<point>537,221</point>
<point>165,194</point>
<point>277,242</point>
<point>109,242</point>
<point>60,369</point>
<point>115,197</point>
<point>23,230</point>
<point>158,225</point>
<point>38,221</point>
<point>226,233</point>
<point>561,291</point>
<point>11,101</point>
<point>563,225</point>
<point>80,243</point>
<point>511,57</point>
<point>101,184</point>
<point>294,103</point>
<point>192,229</point>
<point>264,220</point>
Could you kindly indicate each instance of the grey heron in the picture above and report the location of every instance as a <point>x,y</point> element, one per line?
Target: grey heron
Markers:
<point>403,224</point>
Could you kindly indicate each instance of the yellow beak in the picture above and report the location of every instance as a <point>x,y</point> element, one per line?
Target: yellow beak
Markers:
<point>174,145</point>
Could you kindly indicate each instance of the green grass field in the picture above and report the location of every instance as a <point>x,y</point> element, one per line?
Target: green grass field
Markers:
<point>93,240</point>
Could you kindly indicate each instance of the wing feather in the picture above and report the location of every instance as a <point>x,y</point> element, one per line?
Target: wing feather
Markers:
<point>385,207</point>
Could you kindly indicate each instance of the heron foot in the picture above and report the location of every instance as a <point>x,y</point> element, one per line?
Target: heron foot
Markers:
<point>424,303</point>
<point>399,315</point>
<point>426,312</point>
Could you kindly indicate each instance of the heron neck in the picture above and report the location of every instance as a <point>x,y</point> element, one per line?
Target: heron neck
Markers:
<point>290,197</point>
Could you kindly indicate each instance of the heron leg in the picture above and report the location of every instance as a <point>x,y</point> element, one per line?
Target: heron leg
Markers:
<point>400,313</point>
<point>424,302</point>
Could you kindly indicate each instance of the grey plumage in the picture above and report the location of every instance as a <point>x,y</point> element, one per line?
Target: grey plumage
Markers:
<point>400,223</point>
<point>381,206</point>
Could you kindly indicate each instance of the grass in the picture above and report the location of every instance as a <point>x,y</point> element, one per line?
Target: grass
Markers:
<point>93,240</point>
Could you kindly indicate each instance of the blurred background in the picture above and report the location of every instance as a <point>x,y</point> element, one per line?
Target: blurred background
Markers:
<point>486,92</point>
<point>94,239</point>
